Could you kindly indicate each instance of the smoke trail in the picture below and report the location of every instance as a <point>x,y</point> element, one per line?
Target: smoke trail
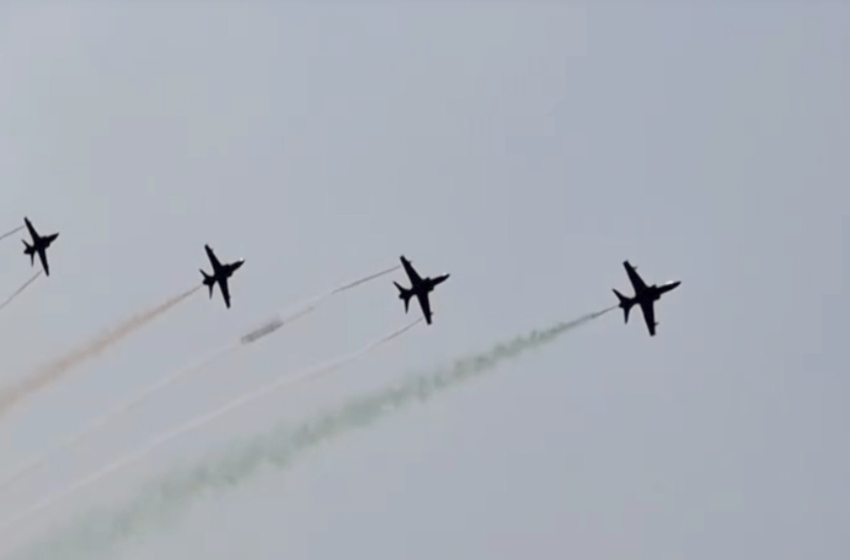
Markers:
<point>111,413</point>
<point>309,305</point>
<point>21,289</point>
<point>51,372</point>
<point>175,376</point>
<point>158,502</point>
<point>205,419</point>
<point>363,280</point>
<point>8,233</point>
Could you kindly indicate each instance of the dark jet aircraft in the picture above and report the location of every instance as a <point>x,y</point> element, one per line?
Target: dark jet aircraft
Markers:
<point>645,296</point>
<point>419,287</point>
<point>39,245</point>
<point>221,272</point>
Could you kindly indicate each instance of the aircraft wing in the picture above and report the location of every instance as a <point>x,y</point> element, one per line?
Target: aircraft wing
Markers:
<point>213,260</point>
<point>425,305</point>
<point>415,279</point>
<point>43,258</point>
<point>649,316</point>
<point>225,291</point>
<point>31,229</point>
<point>637,282</point>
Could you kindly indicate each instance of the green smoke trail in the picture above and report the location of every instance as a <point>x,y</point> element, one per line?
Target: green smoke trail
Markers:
<point>158,504</point>
<point>268,327</point>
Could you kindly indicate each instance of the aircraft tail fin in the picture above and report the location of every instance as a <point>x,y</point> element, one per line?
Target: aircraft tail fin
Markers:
<point>405,295</point>
<point>29,250</point>
<point>625,303</point>
<point>209,281</point>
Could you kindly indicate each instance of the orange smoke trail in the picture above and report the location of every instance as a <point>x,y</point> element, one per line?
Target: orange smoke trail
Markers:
<point>54,371</point>
<point>204,419</point>
<point>250,337</point>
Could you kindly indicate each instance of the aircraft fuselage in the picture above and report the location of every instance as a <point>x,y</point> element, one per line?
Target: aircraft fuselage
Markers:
<point>419,287</point>
<point>220,274</point>
<point>39,246</point>
<point>645,297</point>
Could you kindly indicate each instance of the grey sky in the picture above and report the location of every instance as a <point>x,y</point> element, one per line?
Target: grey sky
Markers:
<point>526,149</point>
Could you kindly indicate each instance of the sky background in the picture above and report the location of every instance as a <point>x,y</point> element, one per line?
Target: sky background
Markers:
<point>527,149</point>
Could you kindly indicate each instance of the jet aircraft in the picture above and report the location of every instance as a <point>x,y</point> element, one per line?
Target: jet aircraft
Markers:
<point>39,245</point>
<point>645,296</point>
<point>220,274</point>
<point>419,287</point>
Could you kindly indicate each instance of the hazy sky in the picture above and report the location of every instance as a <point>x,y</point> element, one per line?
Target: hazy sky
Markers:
<point>527,149</point>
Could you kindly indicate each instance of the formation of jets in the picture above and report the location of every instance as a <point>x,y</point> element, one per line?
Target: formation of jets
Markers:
<point>645,296</point>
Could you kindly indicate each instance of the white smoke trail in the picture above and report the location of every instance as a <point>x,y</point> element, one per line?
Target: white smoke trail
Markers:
<point>363,280</point>
<point>203,420</point>
<point>309,305</point>
<point>175,376</point>
<point>21,289</point>
<point>102,531</point>
<point>8,233</point>
<point>109,415</point>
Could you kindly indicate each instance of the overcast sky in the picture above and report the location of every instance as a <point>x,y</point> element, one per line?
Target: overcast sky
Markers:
<point>527,149</point>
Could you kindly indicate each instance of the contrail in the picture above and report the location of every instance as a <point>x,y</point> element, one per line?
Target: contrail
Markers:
<point>205,419</point>
<point>102,531</point>
<point>21,289</point>
<point>51,372</point>
<point>8,233</point>
<point>168,380</point>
